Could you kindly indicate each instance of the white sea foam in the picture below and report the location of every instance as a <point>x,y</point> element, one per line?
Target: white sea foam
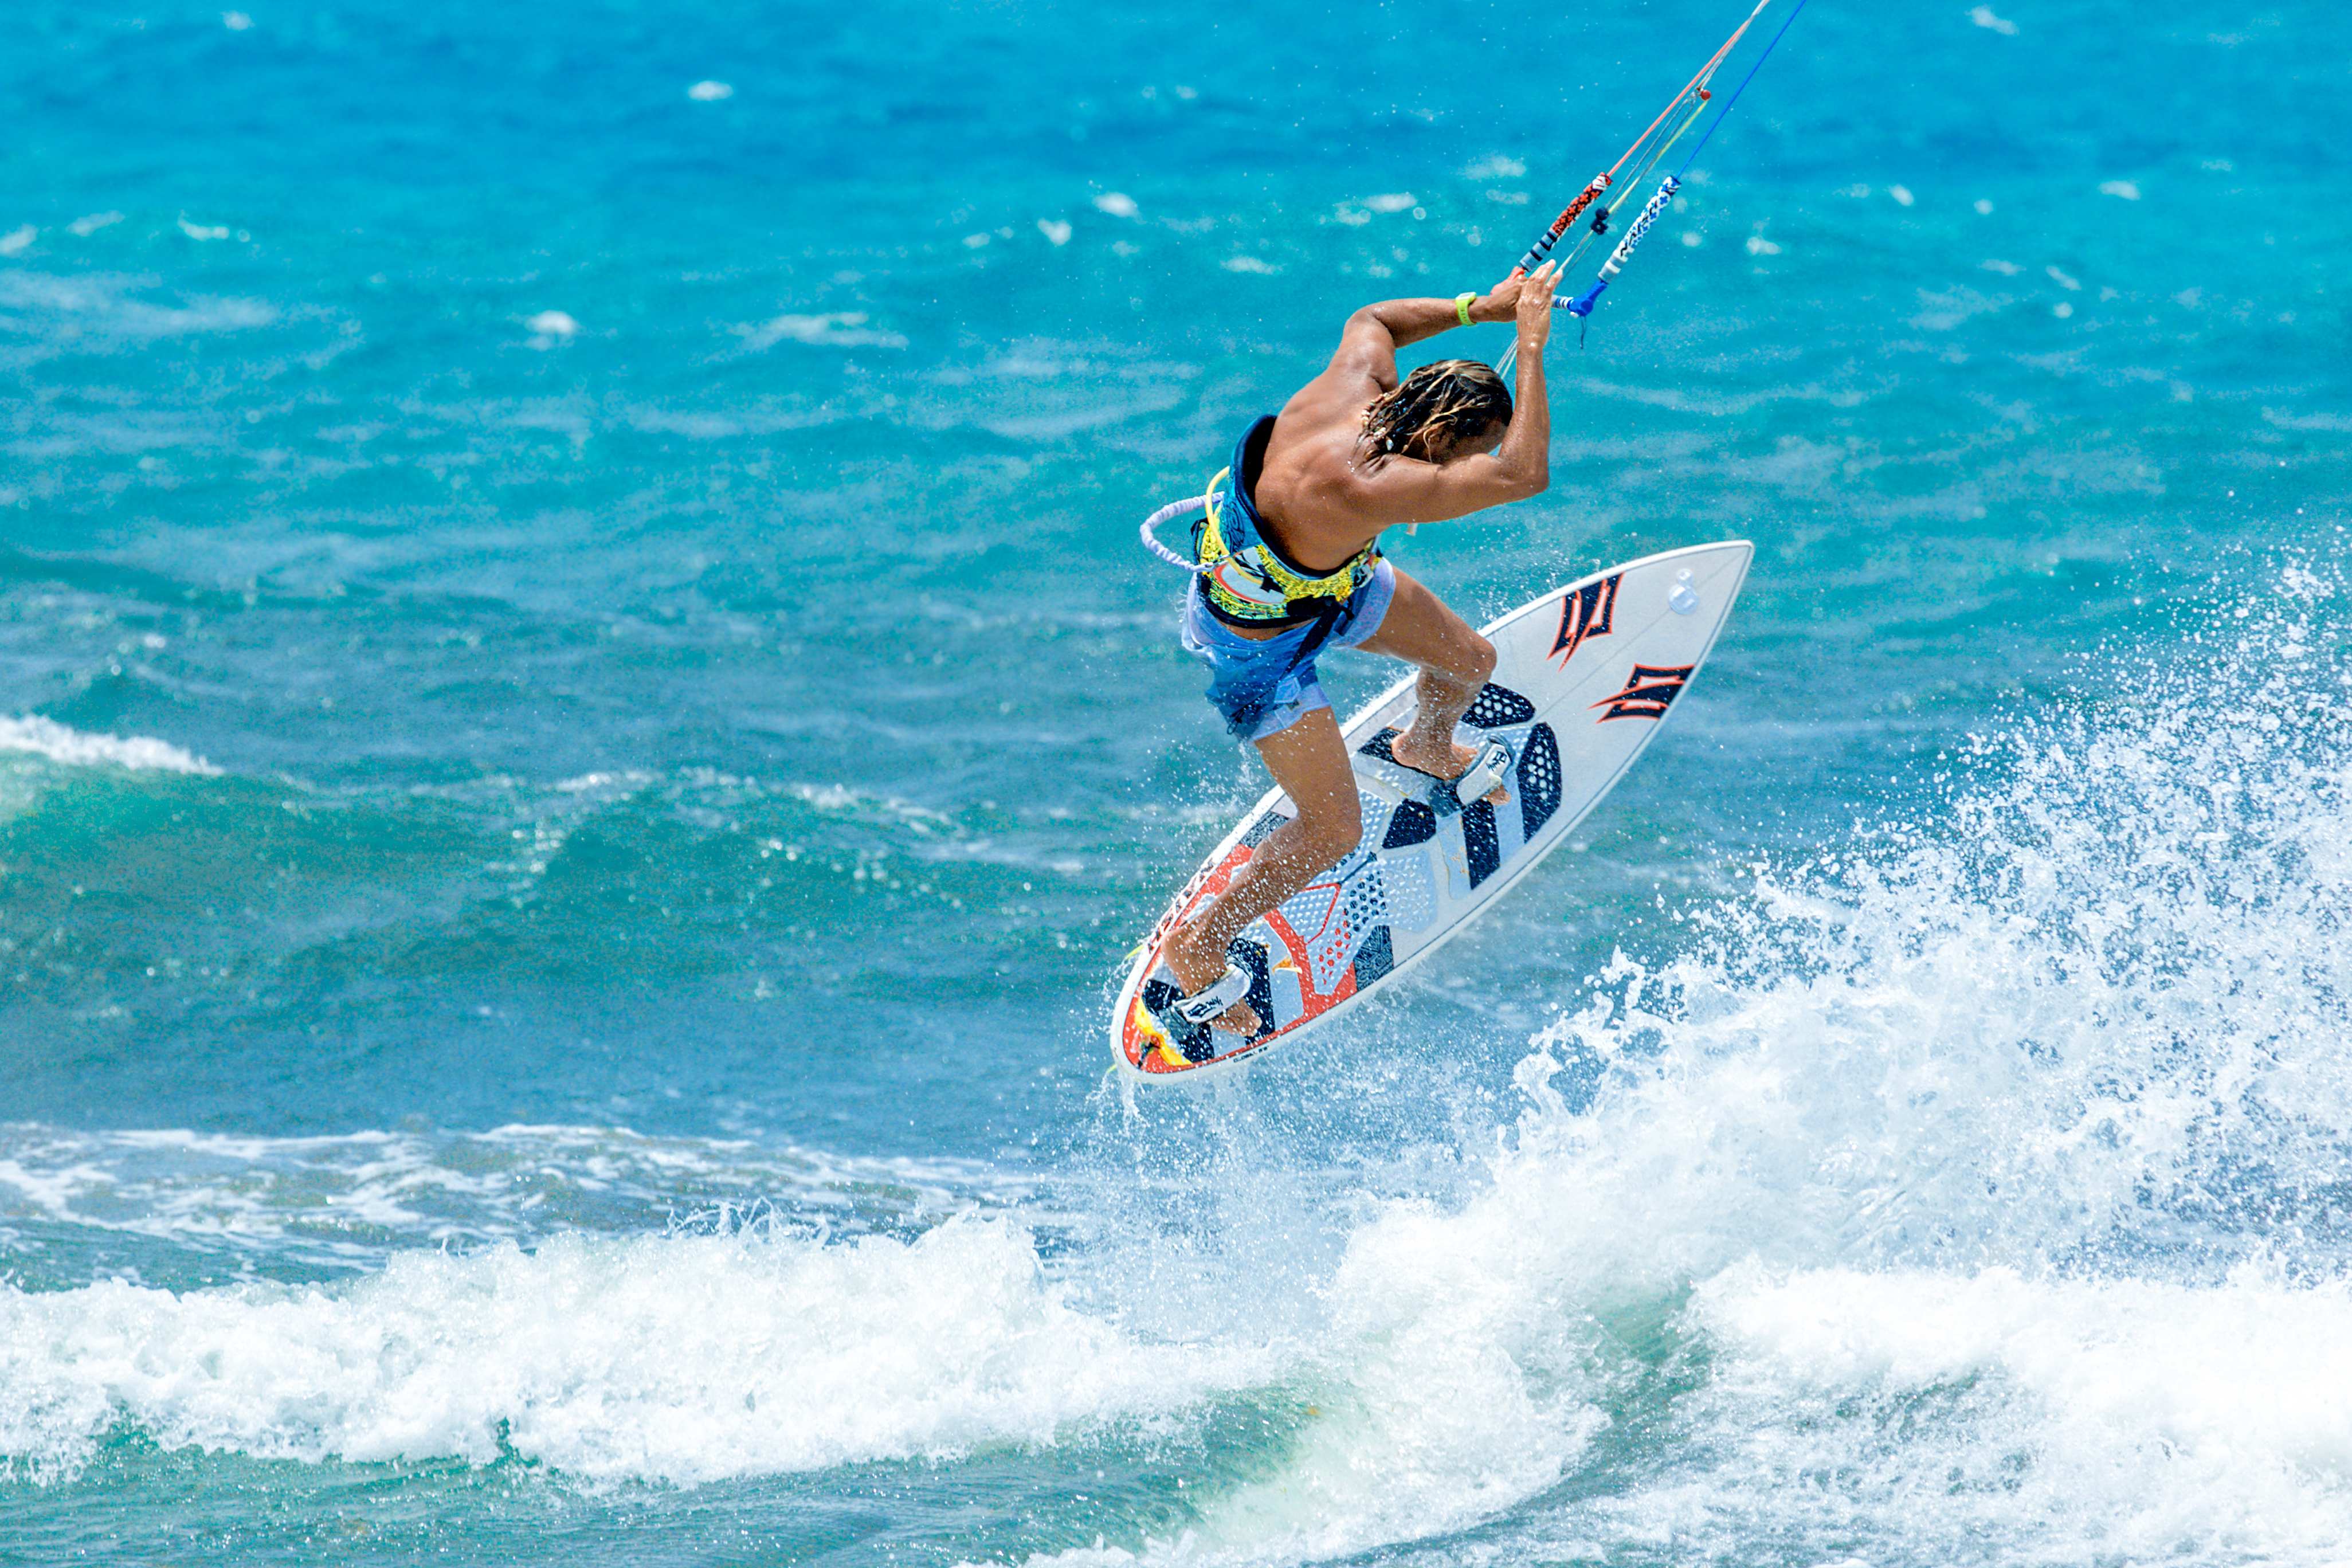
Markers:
<point>1973,1191</point>
<point>2241,1381</point>
<point>833,329</point>
<point>1496,166</point>
<point>1965,1194</point>
<point>552,329</point>
<point>101,311</point>
<point>679,1358</point>
<point>74,748</point>
<point>348,1201</point>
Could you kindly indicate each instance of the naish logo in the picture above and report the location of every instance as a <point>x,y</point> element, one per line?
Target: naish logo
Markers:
<point>1585,613</point>
<point>1649,692</point>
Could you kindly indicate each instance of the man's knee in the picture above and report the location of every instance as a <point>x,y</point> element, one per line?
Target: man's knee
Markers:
<point>1332,835</point>
<point>1480,663</point>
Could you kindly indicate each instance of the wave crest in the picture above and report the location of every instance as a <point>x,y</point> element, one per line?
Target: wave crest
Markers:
<point>74,748</point>
<point>678,1358</point>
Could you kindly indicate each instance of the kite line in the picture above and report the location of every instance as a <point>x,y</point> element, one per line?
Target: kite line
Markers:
<point>1635,164</point>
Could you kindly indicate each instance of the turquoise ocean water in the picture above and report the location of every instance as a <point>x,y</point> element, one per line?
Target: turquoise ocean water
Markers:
<point>582,734</point>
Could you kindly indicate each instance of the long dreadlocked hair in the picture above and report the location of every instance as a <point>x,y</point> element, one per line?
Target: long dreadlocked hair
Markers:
<point>1436,407</point>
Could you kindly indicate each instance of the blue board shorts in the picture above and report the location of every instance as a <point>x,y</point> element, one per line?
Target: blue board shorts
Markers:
<point>1262,688</point>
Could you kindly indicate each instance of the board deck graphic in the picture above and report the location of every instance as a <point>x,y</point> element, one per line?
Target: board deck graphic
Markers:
<point>1583,678</point>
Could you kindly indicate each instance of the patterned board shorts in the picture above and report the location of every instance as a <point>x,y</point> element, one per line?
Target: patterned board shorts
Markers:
<point>1262,688</point>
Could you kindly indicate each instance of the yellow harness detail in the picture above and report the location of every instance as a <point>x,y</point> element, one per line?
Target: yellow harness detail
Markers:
<point>1244,578</point>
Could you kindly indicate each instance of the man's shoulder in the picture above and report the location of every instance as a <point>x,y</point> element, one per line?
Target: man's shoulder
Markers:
<point>1320,451</point>
<point>1332,400</point>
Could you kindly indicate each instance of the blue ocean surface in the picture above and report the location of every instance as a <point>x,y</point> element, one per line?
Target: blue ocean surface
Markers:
<point>584,735</point>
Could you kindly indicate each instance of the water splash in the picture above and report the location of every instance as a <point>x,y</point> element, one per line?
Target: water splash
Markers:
<point>1967,1191</point>
<point>665,1358</point>
<point>1983,1178</point>
<point>1970,1191</point>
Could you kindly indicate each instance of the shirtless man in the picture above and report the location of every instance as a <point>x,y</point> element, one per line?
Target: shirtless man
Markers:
<point>1289,566</point>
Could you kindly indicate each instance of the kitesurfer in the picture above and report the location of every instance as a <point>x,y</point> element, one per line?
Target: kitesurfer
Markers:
<point>1287,564</point>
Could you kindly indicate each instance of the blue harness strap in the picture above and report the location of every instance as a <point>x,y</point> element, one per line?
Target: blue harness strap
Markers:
<point>1239,519</point>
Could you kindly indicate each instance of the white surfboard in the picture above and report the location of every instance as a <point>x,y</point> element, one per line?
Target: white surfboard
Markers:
<point>1583,678</point>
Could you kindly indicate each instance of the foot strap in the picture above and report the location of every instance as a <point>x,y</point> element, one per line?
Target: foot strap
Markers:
<point>1491,767</point>
<point>1203,1005</point>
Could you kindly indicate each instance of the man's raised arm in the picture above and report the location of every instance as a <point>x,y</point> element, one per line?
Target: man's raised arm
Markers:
<point>1369,343</point>
<point>1403,489</point>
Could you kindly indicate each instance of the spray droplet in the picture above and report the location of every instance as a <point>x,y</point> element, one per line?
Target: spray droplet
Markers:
<point>1683,598</point>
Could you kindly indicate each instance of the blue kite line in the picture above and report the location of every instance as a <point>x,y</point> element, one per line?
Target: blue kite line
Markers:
<point>1734,103</point>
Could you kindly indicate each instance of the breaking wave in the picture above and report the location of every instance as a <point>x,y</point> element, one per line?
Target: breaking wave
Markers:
<point>1971,1192</point>
<point>676,1358</point>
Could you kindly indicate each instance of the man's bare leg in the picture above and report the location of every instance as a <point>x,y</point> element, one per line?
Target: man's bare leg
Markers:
<point>1309,761</point>
<point>1455,663</point>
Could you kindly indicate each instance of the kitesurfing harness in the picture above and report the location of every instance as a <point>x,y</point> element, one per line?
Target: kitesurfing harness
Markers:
<point>1245,580</point>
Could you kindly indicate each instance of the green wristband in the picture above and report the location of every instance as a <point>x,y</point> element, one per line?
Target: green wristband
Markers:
<point>1462,306</point>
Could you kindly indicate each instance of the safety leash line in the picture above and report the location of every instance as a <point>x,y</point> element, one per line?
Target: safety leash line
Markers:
<point>1169,513</point>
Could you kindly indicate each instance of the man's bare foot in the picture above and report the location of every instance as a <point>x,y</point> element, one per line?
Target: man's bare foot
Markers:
<point>1195,970</point>
<point>1448,760</point>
